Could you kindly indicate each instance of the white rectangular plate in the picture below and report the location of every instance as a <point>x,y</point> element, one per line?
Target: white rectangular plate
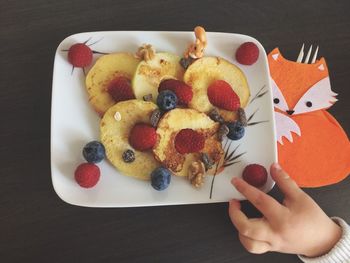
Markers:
<point>74,123</point>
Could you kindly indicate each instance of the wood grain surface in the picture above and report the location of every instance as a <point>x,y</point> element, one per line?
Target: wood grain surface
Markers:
<point>36,226</point>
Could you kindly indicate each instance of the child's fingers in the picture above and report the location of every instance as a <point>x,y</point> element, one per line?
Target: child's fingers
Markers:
<point>268,206</point>
<point>253,228</point>
<point>284,182</point>
<point>254,246</point>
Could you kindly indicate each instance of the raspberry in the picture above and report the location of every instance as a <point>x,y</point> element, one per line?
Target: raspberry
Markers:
<point>120,89</point>
<point>247,53</point>
<point>80,55</point>
<point>255,174</point>
<point>181,89</point>
<point>189,141</point>
<point>87,175</point>
<point>221,95</point>
<point>142,137</point>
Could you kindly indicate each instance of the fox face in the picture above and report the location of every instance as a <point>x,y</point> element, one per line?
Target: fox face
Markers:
<point>313,148</point>
<point>297,89</point>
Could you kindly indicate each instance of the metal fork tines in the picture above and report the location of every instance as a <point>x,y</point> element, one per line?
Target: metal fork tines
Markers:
<point>306,60</point>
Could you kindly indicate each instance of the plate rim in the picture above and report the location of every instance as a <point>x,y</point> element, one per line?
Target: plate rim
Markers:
<point>71,202</point>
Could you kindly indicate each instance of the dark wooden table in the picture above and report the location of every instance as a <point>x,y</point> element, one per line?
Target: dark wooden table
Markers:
<point>36,226</point>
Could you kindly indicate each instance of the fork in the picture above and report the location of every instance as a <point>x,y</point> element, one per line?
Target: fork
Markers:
<point>306,60</point>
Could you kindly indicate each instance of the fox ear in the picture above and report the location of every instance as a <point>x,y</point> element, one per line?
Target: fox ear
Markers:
<point>274,54</point>
<point>321,65</point>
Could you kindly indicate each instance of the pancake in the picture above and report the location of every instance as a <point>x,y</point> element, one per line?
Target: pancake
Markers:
<point>204,71</point>
<point>174,121</point>
<point>105,69</point>
<point>115,137</point>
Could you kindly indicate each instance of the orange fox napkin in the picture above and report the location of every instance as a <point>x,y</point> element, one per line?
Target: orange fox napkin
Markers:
<point>312,146</point>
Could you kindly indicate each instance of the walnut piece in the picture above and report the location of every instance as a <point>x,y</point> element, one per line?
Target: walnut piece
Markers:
<point>196,174</point>
<point>146,52</point>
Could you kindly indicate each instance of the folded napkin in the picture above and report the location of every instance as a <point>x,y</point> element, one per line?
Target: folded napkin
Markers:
<point>312,146</point>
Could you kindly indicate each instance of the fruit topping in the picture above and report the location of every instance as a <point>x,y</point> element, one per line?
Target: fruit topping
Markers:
<point>155,117</point>
<point>142,137</point>
<point>186,62</point>
<point>94,152</point>
<point>148,97</point>
<point>181,89</point>
<point>222,132</point>
<point>242,118</point>
<point>247,53</point>
<point>189,141</point>
<point>167,100</point>
<point>120,89</point>
<point>255,174</point>
<point>221,94</point>
<point>128,156</point>
<point>160,178</point>
<point>236,130</point>
<point>87,175</point>
<point>80,55</point>
<point>207,161</point>
<point>215,116</point>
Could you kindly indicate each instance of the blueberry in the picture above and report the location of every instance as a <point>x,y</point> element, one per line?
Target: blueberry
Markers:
<point>160,178</point>
<point>94,152</point>
<point>236,130</point>
<point>128,156</point>
<point>166,100</point>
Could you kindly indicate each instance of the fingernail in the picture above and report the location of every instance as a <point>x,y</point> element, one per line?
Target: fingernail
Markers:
<point>277,166</point>
<point>234,181</point>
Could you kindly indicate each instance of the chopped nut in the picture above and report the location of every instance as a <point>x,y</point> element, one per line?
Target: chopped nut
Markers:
<point>215,116</point>
<point>155,117</point>
<point>148,97</point>
<point>222,132</point>
<point>196,174</point>
<point>145,52</point>
<point>117,116</point>
<point>242,118</point>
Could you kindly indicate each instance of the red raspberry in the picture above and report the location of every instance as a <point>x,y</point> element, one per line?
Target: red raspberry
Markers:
<point>247,53</point>
<point>142,137</point>
<point>120,89</point>
<point>80,55</point>
<point>87,175</point>
<point>189,141</point>
<point>183,92</point>
<point>221,94</point>
<point>255,174</point>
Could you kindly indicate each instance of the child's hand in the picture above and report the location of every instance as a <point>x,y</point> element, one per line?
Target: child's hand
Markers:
<point>299,226</point>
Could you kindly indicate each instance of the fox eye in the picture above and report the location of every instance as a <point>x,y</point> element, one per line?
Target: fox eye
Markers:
<point>276,100</point>
<point>195,48</point>
<point>309,104</point>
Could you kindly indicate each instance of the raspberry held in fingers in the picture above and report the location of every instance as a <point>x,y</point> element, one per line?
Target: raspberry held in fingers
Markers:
<point>255,174</point>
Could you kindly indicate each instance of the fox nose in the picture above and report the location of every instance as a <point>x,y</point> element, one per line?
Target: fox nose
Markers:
<point>290,112</point>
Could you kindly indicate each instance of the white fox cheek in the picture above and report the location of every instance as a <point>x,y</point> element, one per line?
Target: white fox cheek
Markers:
<point>285,127</point>
<point>319,96</point>
<point>278,98</point>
